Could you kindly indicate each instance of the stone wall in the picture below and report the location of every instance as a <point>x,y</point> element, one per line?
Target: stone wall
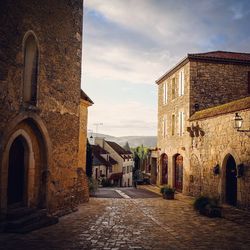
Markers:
<point>219,140</point>
<point>212,84</point>
<point>57,26</point>
<point>174,144</point>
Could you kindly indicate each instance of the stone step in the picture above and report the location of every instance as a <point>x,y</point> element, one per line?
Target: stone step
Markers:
<point>23,220</point>
<point>42,222</point>
<point>20,212</point>
<point>26,220</point>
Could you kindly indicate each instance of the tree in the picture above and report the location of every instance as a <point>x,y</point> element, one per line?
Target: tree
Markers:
<point>89,160</point>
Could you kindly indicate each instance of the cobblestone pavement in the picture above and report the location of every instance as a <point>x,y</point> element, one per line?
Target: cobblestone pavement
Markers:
<point>151,223</point>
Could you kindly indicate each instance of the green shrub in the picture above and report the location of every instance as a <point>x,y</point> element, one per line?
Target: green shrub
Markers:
<point>207,206</point>
<point>201,202</point>
<point>167,190</point>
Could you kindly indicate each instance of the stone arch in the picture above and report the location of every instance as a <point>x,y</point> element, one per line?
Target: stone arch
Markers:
<point>20,133</point>
<point>195,176</point>
<point>164,169</point>
<point>33,130</point>
<point>31,68</point>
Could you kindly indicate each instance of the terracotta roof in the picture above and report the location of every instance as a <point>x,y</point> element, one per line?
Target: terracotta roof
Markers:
<point>85,97</point>
<point>118,149</point>
<point>98,159</point>
<point>212,56</point>
<point>230,107</point>
<point>98,149</point>
<point>222,55</point>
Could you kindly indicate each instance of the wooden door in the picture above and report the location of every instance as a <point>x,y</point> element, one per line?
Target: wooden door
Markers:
<point>16,173</point>
<point>231,182</point>
<point>179,173</point>
<point>164,167</point>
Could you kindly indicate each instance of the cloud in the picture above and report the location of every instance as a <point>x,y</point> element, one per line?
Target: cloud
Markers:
<point>128,118</point>
<point>135,42</point>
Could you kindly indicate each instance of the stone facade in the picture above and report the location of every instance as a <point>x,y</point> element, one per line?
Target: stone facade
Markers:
<point>48,33</point>
<point>209,83</point>
<point>206,81</point>
<point>213,147</point>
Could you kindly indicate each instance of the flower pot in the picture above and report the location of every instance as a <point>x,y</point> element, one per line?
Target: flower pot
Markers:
<point>169,196</point>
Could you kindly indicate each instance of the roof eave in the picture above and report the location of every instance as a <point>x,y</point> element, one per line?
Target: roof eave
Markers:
<point>172,70</point>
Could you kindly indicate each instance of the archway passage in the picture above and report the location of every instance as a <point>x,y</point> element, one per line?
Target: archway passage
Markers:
<point>231,181</point>
<point>178,173</point>
<point>17,172</point>
<point>164,169</point>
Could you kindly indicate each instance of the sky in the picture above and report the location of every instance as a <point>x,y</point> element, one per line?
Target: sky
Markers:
<point>129,44</point>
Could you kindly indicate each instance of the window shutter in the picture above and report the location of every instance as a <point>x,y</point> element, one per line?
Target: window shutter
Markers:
<point>183,122</point>
<point>166,93</point>
<point>165,127</point>
<point>180,84</point>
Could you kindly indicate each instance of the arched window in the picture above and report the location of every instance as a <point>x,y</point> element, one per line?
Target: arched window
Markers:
<point>30,70</point>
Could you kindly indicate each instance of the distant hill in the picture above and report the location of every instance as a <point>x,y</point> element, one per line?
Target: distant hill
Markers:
<point>134,141</point>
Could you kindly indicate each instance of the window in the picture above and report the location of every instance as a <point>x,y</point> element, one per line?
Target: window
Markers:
<point>131,168</point>
<point>128,169</point>
<point>30,70</point>
<point>181,83</point>
<point>165,93</point>
<point>124,170</point>
<point>173,124</point>
<point>181,123</point>
<point>173,88</point>
<point>164,127</point>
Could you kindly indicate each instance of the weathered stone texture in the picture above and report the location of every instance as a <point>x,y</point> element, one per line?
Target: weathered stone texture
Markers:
<point>171,145</point>
<point>219,140</point>
<point>212,84</point>
<point>57,26</point>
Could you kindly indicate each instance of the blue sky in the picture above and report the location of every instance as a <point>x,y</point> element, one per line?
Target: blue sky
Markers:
<point>128,44</point>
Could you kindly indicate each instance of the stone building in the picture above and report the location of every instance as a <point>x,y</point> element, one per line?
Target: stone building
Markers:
<point>122,174</point>
<point>103,164</point>
<point>220,154</point>
<point>42,110</point>
<point>199,82</point>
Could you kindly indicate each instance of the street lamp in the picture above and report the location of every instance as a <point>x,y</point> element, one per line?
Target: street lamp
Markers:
<point>238,121</point>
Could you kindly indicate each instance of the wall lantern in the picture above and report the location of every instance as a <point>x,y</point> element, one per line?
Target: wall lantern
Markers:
<point>216,169</point>
<point>238,121</point>
<point>240,170</point>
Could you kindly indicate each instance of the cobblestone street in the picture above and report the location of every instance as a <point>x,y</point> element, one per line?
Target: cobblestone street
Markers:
<point>150,223</point>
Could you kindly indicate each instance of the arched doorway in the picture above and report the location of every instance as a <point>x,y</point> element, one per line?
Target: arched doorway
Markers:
<point>17,172</point>
<point>231,181</point>
<point>27,143</point>
<point>178,170</point>
<point>164,169</point>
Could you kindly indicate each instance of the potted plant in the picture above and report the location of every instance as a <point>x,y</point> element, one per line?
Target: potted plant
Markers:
<point>208,206</point>
<point>167,192</point>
